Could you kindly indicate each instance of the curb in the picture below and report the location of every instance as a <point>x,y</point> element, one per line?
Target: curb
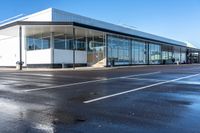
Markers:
<point>91,68</point>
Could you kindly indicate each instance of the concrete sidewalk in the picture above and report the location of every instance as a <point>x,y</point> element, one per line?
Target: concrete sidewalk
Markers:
<point>92,68</point>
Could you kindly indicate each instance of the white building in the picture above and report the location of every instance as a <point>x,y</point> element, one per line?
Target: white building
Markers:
<point>53,38</point>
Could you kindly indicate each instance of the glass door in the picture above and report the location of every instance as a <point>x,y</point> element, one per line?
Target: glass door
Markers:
<point>96,50</point>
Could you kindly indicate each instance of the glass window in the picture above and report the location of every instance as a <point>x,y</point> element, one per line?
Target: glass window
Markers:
<point>64,41</point>
<point>69,40</point>
<point>38,42</point>
<point>119,50</point>
<point>30,43</point>
<point>154,54</point>
<point>59,41</point>
<point>138,52</point>
<point>46,41</point>
<point>183,57</point>
<point>177,54</point>
<point>69,44</point>
<point>81,44</point>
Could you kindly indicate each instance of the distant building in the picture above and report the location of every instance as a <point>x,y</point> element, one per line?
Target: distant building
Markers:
<point>54,39</point>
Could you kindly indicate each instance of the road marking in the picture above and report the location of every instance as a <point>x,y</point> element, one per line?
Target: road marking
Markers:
<point>33,74</point>
<point>156,80</point>
<point>23,80</point>
<point>194,68</point>
<point>46,76</point>
<point>137,89</point>
<point>135,75</point>
<point>188,82</point>
<point>91,81</point>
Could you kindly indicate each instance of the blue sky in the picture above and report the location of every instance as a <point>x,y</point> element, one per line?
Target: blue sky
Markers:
<point>176,19</point>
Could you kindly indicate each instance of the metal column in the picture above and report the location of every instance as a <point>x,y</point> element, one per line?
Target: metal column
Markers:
<point>20,47</point>
<point>148,54</point>
<point>74,48</point>
<point>52,48</point>
<point>106,49</point>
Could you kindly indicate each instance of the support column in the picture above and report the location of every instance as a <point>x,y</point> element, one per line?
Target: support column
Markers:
<point>199,57</point>
<point>180,56</point>
<point>148,54</point>
<point>161,56</point>
<point>86,46</point>
<point>187,56</point>
<point>20,47</point>
<point>106,48</point>
<point>74,48</point>
<point>52,48</point>
<point>130,53</point>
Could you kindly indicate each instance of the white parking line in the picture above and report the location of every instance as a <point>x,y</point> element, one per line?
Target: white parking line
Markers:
<point>33,74</point>
<point>156,80</point>
<point>189,82</point>
<point>45,76</point>
<point>137,89</point>
<point>87,82</point>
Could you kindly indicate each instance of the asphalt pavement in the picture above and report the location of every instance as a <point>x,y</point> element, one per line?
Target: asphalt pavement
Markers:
<point>153,99</point>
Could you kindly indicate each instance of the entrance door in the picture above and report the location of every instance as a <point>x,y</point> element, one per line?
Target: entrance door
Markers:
<point>95,55</point>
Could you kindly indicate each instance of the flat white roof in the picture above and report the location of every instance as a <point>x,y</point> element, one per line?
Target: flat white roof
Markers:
<point>55,15</point>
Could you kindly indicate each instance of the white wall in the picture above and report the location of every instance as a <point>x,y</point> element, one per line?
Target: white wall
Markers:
<point>66,56</point>
<point>39,57</point>
<point>9,50</point>
<point>9,54</point>
<point>81,57</point>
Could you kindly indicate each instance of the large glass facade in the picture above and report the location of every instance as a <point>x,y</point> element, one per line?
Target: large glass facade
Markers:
<point>65,40</point>
<point>183,55</point>
<point>126,51</point>
<point>63,37</point>
<point>173,54</point>
<point>177,54</point>
<point>193,56</point>
<point>119,50</point>
<point>154,54</point>
<point>123,50</point>
<point>139,52</point>
<point>167,54</point>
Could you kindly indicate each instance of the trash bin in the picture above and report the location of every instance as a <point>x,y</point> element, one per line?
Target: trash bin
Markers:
<point>18,65</point>
<point>173,60</point>
<point>164,62</point>
<point>112,62</point>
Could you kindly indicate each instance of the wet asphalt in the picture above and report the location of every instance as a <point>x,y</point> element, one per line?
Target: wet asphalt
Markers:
<point>55,102</point>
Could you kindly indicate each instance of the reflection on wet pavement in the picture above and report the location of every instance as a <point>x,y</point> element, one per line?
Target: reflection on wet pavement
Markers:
<point>173,107</point>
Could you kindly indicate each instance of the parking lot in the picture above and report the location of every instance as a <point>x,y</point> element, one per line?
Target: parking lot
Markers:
<point>149,99</point>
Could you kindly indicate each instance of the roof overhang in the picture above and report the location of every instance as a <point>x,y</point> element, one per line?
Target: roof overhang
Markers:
<point>16,24</point>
